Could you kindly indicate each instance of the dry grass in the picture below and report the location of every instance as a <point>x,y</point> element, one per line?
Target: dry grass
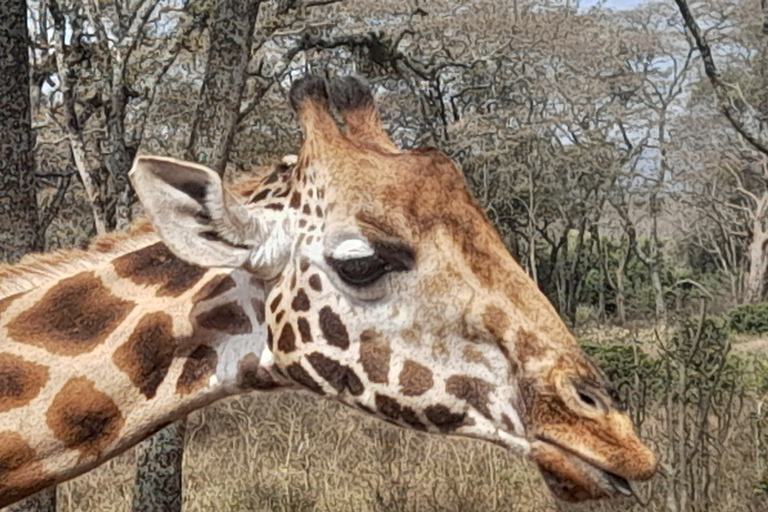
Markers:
<point>294,452</point>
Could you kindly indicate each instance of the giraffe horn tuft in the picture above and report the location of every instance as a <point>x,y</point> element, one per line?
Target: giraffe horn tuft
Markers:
<point>308,88</point>
<point>353,98</point>
<point>350,93</point>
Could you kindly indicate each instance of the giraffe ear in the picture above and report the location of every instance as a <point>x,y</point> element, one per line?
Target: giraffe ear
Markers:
<point>193,214</point>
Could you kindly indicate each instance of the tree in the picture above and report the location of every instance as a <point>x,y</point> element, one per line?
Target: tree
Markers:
<point>20,231</point>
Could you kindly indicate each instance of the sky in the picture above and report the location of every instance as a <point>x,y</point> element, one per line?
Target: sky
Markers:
<point>613,4</point>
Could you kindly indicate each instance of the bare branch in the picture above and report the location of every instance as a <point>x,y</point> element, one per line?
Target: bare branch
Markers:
<point>721,89</point>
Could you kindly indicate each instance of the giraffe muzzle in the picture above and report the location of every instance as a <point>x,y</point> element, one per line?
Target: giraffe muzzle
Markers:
<point>573,478</point>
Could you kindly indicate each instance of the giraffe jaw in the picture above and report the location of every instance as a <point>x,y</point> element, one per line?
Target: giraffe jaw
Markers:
<point>572,477</point>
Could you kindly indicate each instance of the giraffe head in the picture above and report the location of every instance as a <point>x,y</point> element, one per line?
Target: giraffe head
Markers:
<point>390,290</point>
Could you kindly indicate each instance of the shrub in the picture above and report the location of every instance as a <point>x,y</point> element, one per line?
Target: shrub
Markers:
<point>749,319</point>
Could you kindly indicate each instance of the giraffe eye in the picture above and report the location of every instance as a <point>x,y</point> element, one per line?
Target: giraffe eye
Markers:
<point>586,399</point>
<point>365,269</point>
<point>590,399</point>
<point>361,271</point>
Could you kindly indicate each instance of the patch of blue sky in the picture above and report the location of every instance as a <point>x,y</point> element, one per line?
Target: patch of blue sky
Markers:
<point>613,4</point>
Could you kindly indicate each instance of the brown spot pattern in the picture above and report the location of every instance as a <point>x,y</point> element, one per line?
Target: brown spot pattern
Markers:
<point>20,381</point>
<point>473,355</point>
<point>148,353</point>
<point>391,409</point>
<point>287,341</point>
<point>295,200</point>
<point>315,283</point>
<point>84,418</point>
<point>442,417</point>
<point>472,390</point>
<point>374,356</point>
<point>20,472</point>
<point>300,376</point>
<point>14,453</point>
<point>251,375</point>
<point>72,318</point>
<point>388,406</point>
<point>218,285</point>
<point>333,329</point>
<point>198,368</point>
<point>275,302</point>
<point>411,418</point>
<point>495,321</point>
<point>300,301</point>
<point>337,375</point>
<point>529,346</point>
<point>229,318</point>
<point>415,379</point>
<point>156,265</point>
<point>259,309</point>
<point>304,330</point>
<point>263,194</point>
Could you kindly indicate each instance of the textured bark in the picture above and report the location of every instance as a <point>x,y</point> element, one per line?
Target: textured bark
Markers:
<point>158,481</point>
<point>19,223</point>
<point>159,476</point>
<point>225,75</point>
<point>757,254</point>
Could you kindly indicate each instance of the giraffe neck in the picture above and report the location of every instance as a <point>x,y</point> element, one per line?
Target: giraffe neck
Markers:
<point>101,355</point>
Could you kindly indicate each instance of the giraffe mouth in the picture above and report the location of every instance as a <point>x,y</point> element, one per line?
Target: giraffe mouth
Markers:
<point>573,477</point>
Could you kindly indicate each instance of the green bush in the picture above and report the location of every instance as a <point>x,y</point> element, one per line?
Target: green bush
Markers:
<point>625,365</point>
<point>749,319</point>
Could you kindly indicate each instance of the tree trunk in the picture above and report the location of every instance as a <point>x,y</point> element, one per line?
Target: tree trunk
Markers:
<point>158,485</point>
<point>758,267</point>
<point>158,479</point>
<point>219,107</point>
<point>757,253</point>
<point>19,224</point>
<point>20,231</point>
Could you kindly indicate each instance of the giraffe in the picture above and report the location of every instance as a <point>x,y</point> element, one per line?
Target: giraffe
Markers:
<point>362,272</point>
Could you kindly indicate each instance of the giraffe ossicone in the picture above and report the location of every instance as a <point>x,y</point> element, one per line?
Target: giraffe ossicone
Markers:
<point>358,270</point>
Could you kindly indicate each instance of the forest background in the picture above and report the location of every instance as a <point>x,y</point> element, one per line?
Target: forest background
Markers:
<point>630,184</point>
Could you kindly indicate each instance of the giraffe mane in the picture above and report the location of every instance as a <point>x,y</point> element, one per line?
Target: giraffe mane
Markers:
<point>37,269</point>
